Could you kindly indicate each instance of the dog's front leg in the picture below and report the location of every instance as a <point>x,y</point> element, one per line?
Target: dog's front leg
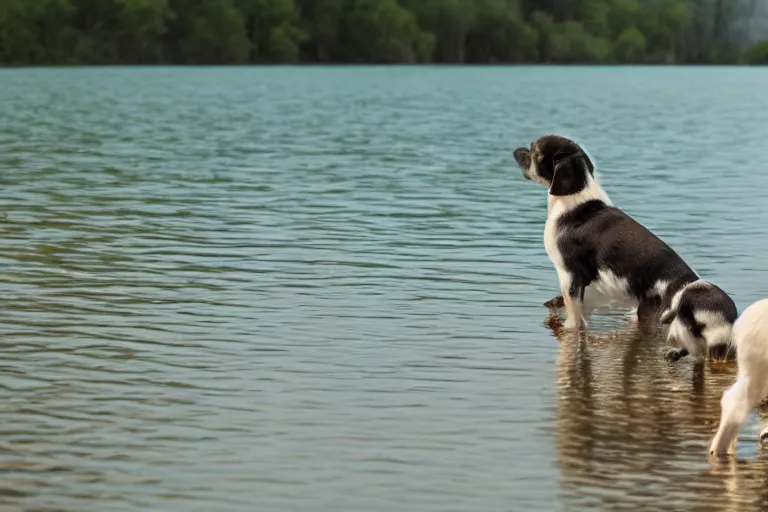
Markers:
<point>575,310</point>
<point>573,296</point>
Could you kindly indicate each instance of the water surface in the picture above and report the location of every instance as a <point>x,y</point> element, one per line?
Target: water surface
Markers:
<point>301,289</point>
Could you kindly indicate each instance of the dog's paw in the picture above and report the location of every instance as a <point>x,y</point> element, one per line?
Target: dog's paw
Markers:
<point>575,324</point>
<point>570,323</point>
<point>675,354</point>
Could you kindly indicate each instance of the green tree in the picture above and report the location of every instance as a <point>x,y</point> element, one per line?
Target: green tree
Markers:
<point>387,31</point>
<point>599,50</point>
<point>622,14</point>
<point>209,32</point>
<point>596,17</point>
<point>630,46</point>
<point>500,34</point>
<point>323,18</point>
<point>572,44</point>
<point>96,24</point>
<point>285,41</point>
<point>33,31</point>
<point>141,25</point>
<point>273,29</point>
<point>661,23</point>
<point>449,21</point>
<point>382,31</point>
<point>758,54</point>
<point>545,28</point>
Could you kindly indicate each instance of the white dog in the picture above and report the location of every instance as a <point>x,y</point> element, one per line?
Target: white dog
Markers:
<point>750,335</point>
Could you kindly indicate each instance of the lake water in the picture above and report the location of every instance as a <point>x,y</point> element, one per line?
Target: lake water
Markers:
<point>303,289</point>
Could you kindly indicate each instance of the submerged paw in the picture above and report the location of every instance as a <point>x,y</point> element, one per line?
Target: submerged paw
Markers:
<point>675,354</point>
<point>572,323</point>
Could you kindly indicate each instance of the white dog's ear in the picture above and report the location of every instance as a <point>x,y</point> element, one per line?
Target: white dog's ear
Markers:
<point>570,176</point>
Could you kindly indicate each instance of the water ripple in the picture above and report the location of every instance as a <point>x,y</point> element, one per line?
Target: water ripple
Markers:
<point>320,289</point>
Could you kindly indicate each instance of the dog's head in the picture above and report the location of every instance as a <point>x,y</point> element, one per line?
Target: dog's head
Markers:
<point>557,163</point>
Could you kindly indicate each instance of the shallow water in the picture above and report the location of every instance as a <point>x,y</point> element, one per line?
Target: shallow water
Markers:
<point>313,289</point>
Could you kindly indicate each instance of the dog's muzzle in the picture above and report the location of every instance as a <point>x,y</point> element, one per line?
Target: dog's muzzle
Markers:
<point>523,159</point>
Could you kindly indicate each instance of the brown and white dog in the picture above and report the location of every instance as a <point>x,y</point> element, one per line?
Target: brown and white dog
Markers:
<point>603,257</point>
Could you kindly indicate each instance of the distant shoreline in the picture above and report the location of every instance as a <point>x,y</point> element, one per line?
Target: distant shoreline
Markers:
<point>385,65</point>
<point>80,33</point>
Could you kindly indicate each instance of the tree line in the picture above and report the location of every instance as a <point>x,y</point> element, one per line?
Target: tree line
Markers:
<point>84,32</point>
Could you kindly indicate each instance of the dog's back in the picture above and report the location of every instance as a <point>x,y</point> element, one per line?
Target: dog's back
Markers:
<point>595,236</point>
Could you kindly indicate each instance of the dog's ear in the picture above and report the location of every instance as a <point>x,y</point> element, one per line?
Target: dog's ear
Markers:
<point>570,176</point>
<point>559,157</point>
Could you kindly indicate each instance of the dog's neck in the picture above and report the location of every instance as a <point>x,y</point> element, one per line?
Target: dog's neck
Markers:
<point>558,205</point>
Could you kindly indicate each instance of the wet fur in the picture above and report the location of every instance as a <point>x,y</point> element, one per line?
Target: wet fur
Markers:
<point>603,257</point>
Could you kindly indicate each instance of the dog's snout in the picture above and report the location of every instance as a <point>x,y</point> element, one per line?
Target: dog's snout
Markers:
<point>522,157</point>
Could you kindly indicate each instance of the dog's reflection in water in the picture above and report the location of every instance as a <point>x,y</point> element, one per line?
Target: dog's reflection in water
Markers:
<point>633,429</point>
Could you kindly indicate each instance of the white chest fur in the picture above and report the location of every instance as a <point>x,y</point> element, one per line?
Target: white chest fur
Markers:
<point>550,241</point>
<point>556,207</point>
<point>608,289</point>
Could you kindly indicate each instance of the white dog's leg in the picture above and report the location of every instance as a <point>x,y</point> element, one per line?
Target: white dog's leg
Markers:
<point>735,405</point>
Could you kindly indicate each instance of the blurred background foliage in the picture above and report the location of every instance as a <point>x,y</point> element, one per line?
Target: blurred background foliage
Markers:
<point>68,32</point>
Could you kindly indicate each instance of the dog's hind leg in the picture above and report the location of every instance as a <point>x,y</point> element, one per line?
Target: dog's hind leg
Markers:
<point>647,309</point>
<point>646,312</point>
<point>735,406</point>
